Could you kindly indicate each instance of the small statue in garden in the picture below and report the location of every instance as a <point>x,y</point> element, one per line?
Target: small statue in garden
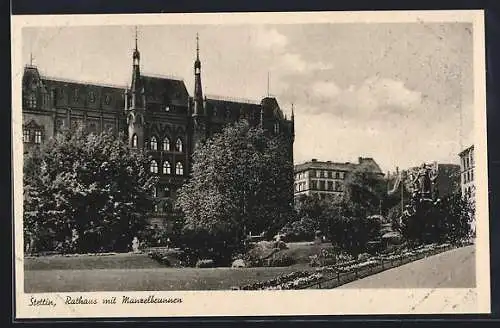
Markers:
<point>135,245</point>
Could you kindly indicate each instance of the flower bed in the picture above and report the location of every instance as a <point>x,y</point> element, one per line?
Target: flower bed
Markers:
<point>304,279</point>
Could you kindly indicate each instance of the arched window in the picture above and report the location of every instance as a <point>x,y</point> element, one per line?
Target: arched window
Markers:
<point>166,144</point>
<point>154,192</point>
<point>166,167</point>
<point>178,145</point>
<point>154,166</point>
<point>134,141</point>
<point>276,128</point>
<point>179,169</point>
<point>154,143</point>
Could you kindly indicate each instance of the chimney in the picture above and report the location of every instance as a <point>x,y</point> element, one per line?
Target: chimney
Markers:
<point>360,160</point>
<point>314,160</point>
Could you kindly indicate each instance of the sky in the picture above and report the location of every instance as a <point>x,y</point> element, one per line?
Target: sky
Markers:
<point>401,93</point>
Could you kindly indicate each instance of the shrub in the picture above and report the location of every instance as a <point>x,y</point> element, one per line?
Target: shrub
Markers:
<point>280,259</point>
<point>206,263</point>
<point>160,258</point>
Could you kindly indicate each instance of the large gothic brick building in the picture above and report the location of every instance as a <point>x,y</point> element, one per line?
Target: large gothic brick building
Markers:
<point>156,113</point>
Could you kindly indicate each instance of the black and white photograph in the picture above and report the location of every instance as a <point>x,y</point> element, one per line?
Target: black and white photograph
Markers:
<point>164,162</point>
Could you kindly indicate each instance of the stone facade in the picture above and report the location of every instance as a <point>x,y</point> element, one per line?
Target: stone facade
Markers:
<point>155,112</point>
<point>467,184</point>
<point>326,179</point>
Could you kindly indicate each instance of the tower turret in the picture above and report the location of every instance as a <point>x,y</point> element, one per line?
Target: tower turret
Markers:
<point>135,105</point>
<point>198,91</point>
<point>199,119</point>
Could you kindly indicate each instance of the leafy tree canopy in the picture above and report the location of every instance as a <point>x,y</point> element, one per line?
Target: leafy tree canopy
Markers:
<point>85,193</point>
<point>242,181</point>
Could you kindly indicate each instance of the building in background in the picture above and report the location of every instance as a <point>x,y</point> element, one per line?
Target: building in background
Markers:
<point>326,179</point>
<point>154,112</point>
<point>467,165</point>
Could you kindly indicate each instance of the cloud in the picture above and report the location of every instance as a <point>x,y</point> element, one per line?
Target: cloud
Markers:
<point>325,89</point>
<point>269,39</point>
<point>293,62</point>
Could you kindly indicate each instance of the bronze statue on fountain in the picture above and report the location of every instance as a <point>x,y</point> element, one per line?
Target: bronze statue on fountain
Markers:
<point>424,184</point>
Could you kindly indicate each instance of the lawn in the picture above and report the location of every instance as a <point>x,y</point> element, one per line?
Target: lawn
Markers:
<point>137,272</point>
<point>38,281</point>
<point>82,262</point>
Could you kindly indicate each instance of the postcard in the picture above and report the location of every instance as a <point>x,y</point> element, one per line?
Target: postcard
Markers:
<point>250,164</point>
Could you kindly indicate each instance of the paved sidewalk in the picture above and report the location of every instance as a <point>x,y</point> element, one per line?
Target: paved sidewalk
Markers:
<point>452,269</point>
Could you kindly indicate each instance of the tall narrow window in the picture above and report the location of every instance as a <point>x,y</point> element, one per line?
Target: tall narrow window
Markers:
<point>166,167</point>
<point>179,169</point>
<point>166,144</point>
<point>178,145</point>
<point>26,135</point>
<point>154,143</point>
<point>32,101</point>
<point>38,137</point>
<point>134,141</point>
<point>276,128</point>
<point>154,166</point>
<point>154,192</point>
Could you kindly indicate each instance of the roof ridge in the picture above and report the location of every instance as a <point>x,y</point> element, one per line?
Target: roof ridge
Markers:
<point>162,76</point>
<point>66,80</point>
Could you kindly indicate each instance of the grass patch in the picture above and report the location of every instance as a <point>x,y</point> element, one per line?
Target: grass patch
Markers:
<point>45,281</point>
<point>87,262</point>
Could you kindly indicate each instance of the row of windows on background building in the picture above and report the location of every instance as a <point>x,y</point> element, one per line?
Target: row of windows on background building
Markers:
<point>320,185</point>
<point>31,101</point>
<point>321,174</point>
<point>153,144</point>
<point>468,162</point>
<point>167,168</point>
<point>469,176</point>
<point>469,192</point>
<point>30,136</point>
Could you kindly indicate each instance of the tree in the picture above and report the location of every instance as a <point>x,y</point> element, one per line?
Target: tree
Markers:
<point>241,182</point>
<point>86,193</point>
<point>350,229</point>
<point>366,189</point>
<point>448,219</point>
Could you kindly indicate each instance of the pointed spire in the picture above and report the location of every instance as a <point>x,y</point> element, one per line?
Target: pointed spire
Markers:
<point>31,58</point>
<point>268,83</point>
<point>136,55</point>
<point>197,46</point>
<point>136,48</point>
<point>198,89</point>
<point>293,115</point>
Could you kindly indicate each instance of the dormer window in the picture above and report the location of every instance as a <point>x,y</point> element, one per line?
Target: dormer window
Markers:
<point>32,101</point>
<point>92,97</point>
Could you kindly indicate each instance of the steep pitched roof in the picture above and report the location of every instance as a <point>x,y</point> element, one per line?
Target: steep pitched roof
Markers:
<point>220,107</point>
<point>171,90</point>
